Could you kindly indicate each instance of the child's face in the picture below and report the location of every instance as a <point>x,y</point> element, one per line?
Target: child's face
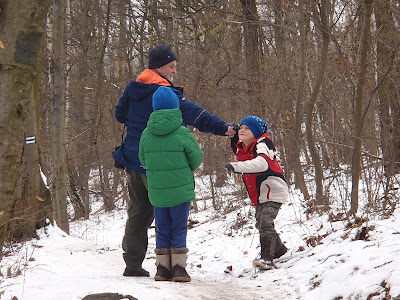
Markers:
<point>246,135</point>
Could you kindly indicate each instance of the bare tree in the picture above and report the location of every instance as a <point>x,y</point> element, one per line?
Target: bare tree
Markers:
<point>252,54</point>
<point>387,46</point>
<point>59,178</point>
<point>320,200</point>
<point>297,120</point>
<point>357,131</point>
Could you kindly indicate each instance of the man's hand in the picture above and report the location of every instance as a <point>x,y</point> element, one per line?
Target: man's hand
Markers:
<point>229,168</point>
<point>231,132</point>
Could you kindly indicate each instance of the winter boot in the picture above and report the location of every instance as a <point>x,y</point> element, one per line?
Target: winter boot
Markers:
<point>138,272</point>
<point>163,263</point>
<point>280,248</point>
<point>178,260</point>
<point>265,262</point>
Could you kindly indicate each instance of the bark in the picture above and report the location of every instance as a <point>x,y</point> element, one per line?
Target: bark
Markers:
<point>298,171</point>
<point>99,114</point>
<point>281,81</point>
<point>82,28</point>
<point>75,197</point>
<point>320,200</point>
<point>33,203</point>
<point>59,180</point>
<point>252,55</point>
<point>356,160</point>
<point>389,107</point>
<point>21,37</point>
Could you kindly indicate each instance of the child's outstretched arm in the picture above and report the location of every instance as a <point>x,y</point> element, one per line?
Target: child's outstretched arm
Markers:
<point>255,165</point>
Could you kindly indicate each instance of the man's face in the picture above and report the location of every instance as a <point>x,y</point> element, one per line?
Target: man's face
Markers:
<point>168,71</point>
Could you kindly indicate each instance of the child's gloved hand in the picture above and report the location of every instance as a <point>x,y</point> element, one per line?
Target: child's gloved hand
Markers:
<point>229,168</point>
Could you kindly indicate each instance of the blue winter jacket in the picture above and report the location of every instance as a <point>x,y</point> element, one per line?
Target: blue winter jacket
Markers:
<point>134,109</point>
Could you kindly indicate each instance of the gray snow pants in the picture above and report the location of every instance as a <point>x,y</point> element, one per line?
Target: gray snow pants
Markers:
<point>269,238</point>
<point>140,218</point>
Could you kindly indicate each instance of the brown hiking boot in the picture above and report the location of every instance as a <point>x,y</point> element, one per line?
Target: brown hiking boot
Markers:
<point>163,274</point>
<point>178,261</point>
<point>179,274</point>
<point>263,264</point>
<point>163,263</point>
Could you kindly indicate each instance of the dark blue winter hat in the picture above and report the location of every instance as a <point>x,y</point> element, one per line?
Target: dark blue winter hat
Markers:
<point>257,125</point>
<point>165,98</point>
<point>160,56</point>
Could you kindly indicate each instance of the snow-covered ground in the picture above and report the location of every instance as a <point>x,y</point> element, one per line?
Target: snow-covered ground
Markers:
<point>326,259</point>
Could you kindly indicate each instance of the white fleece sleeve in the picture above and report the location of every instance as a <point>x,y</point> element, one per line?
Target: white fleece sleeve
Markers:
<point>262,148</point>
<point>256,165</point>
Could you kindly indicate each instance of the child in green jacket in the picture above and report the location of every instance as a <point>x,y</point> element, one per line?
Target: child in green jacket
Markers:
<point>170,154</point>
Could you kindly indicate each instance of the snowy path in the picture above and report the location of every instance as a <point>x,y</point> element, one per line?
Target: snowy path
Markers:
<point>74,268</point>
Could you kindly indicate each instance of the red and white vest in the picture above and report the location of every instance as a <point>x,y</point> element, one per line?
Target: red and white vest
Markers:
<point>264,181</point>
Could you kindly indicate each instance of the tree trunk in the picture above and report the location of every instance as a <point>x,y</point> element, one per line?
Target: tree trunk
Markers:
<point>97,118</point>
<point>33,205</point>
<point>320,200</point>
<point>21,37</point>
<point>356,161</point>
<point>79,131</point>
<point>75,196</point>
<point>388,76</point>
<point>252,55</point>
<point>59,174</point>
<point>298,170</point>
<point>281,82</point>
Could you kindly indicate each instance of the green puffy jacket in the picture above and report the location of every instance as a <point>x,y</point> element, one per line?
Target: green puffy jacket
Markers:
<point>170,154</point>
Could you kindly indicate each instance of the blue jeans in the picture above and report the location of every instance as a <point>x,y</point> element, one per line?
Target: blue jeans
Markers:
<point>171,226</point>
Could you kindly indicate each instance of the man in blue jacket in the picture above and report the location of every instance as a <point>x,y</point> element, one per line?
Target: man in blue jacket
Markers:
<point>134,109</point>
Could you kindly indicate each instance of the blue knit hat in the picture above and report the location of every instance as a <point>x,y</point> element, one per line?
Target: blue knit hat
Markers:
<point>160,56</point>
<point>165,98</point>
<point>257,125</point>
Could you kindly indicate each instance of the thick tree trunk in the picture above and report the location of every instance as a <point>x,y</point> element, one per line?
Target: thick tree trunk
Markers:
<point>33,205</point>
<point>356,161</point>
<point>21,37</point>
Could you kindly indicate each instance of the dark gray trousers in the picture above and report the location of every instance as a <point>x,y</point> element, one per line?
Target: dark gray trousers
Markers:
<point>140,218</point>
<point>269,238</point>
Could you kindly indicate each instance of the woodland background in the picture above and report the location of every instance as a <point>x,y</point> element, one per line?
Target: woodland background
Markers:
<point>325,74</point>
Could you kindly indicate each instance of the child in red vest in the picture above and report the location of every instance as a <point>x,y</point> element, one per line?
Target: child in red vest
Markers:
<point>265,183</point>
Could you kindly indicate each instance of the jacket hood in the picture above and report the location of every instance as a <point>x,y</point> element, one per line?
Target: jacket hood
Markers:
<point>145,85</point>
<point>164,121</point>
<point>141,91</point>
